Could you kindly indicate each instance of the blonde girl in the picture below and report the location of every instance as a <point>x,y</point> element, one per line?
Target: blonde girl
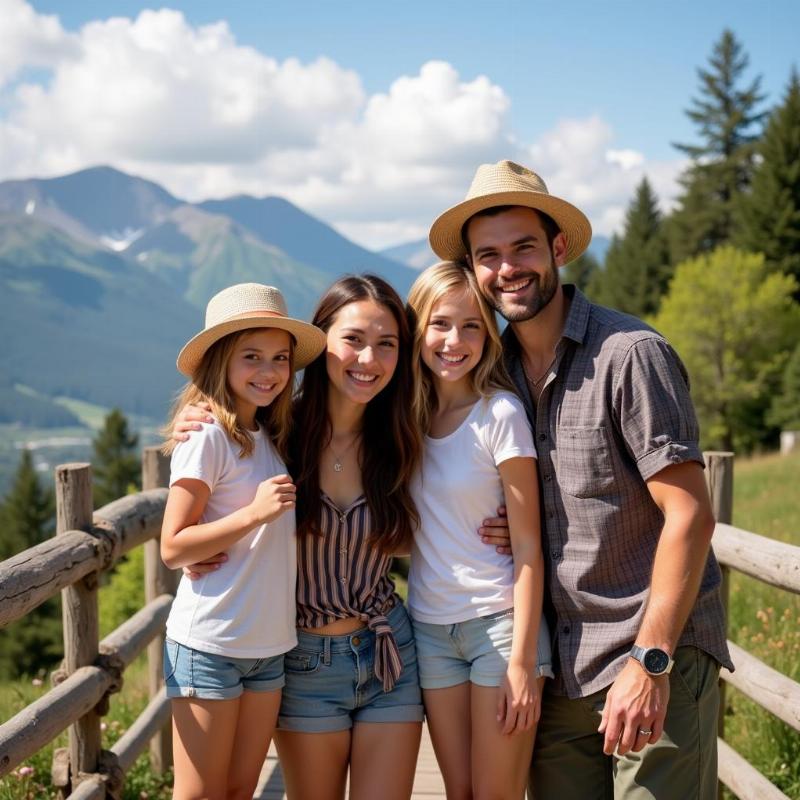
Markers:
<point>227,633</point>
<point>483,648</point>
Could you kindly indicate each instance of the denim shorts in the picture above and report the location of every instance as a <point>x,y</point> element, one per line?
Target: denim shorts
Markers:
<point>208,676</point>
<point>477,650</point>
<point>331,683</point>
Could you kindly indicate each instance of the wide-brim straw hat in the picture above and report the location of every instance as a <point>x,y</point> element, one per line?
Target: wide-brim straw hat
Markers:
<point>250,305</point>
<point>508,184</point>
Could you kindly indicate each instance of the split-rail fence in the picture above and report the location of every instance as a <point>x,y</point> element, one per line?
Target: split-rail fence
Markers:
<point>89,543</point>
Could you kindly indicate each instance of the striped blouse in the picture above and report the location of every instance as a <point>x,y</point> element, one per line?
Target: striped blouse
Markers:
<point>342,574</point>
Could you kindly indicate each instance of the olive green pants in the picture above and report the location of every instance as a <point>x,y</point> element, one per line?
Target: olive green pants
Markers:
<point>569,763</point>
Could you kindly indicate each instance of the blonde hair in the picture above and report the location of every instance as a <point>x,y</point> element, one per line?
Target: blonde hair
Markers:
<point>210,384</point>
<point>489,375</point>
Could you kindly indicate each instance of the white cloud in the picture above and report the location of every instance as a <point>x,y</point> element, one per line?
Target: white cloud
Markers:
<point>205,116</point>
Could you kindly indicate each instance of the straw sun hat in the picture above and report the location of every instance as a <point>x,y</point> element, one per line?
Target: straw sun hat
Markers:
<point>508,184</point>
<point>250,305</point>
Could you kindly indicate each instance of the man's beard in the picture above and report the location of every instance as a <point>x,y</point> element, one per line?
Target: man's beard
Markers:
<point>544,290</point>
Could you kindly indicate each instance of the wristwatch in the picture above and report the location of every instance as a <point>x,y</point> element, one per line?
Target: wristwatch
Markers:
<point>654,660</point>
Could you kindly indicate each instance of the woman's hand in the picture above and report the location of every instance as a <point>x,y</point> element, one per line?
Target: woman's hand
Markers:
<point>519,701</point>
<point>189,419</point>
<point>273,497</point>
<point>195,571</point>
<point>494,531</point>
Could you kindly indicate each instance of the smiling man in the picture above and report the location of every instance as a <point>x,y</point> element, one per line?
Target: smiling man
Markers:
<point>626,523</point>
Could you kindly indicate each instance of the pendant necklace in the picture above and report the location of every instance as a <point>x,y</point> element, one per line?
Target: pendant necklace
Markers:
<point>535,383</point>
<point>337,464</point>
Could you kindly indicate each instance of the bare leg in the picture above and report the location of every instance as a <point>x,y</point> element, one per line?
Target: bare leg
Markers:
<point>448,712</point>
<point>258,713</point>
<point>314,765</point>
<point>383,760</point>
<point>500,762</point>
<point>203,734</point>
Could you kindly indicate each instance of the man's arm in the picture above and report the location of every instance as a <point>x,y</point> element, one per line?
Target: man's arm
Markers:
<point>637,700</point>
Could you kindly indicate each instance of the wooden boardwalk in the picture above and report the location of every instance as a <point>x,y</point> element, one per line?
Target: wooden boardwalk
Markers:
<point>428,783</point>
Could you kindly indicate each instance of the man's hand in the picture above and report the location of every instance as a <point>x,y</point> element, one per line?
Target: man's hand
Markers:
<point>635,702</point>
<point>195,571</point>
<point>494,530</point>
<point>189,419</point>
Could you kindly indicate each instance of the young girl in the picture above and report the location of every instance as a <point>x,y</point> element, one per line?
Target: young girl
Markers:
<point>482,645</point>
<point>351,702</point>
<point>227,633</point>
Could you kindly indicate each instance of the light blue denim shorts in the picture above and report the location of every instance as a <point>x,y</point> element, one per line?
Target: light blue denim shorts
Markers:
<point>331,683</point>
<point>208,676</point>
<point>477,650</point>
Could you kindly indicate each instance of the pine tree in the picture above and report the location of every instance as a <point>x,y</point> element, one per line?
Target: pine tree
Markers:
<point>722,165</point>
<point>115,466</point>
<point>27,511</point>
<point>581,270</point>
<point>637,268</point>
<point>769,215</point>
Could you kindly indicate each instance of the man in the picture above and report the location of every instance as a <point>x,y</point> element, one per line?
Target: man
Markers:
<point>626,522</point>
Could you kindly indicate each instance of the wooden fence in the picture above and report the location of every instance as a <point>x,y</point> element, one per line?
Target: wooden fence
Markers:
<point>88,544</point>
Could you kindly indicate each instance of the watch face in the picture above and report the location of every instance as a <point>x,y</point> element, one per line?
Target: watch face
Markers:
<point>655,661</point>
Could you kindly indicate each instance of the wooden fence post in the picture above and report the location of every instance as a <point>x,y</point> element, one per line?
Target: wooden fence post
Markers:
<point>719,475</point>
<point>80,613</point>
<point>158,580</point>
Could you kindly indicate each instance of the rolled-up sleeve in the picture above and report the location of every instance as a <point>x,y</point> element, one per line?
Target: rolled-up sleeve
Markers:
<point>654,409</point>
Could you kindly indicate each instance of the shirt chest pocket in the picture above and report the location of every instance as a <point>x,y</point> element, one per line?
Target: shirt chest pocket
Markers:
<point>584,465</point>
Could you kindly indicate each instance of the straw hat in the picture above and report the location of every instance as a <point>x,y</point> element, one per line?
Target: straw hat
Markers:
<point>508,184</point>
<point>250,305</point>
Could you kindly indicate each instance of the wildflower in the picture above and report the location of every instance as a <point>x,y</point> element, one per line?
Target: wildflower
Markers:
<point>37,682</point>
<point>103,726</point>
<point>25,772</point>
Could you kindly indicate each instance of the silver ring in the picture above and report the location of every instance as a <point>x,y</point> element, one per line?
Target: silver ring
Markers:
<point>645,731</point>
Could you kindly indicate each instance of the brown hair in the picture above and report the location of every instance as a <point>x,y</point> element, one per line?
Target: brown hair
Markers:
<point>489,374</point>
<point>391,442</point>
<point>210,384</point>
<point>551,229</point>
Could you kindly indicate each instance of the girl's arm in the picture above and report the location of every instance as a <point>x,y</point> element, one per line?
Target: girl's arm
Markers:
<point>519,703</point>
<point>184,540</point>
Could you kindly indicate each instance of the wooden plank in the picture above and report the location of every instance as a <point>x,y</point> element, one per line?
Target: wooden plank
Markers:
<point>769,688</point>
<point>127,641</point>
<point>131,744</point>
<point>81,614</point>
<point>742,778</point>
<point>771,561</point>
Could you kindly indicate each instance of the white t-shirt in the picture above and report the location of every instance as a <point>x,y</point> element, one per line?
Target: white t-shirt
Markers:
<point>246,608</point>
<point>454,576</point>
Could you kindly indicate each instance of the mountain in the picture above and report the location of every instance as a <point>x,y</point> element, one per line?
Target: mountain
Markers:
<point>82,322</point>
<point>307,239</point>
<point>199,253</point>
<point>98,205</point>
<point>417,254</point>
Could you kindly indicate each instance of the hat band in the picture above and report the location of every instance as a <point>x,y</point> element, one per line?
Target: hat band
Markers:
<point>251,315</point>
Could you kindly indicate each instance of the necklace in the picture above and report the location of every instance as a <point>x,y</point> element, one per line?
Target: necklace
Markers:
<point>337,464</point>
<point>535,383</point>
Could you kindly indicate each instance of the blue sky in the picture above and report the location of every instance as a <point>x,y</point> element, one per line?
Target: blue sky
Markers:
<point>605,81</point>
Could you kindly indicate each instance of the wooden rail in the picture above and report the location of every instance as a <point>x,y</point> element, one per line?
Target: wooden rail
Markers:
<point>87,544</point>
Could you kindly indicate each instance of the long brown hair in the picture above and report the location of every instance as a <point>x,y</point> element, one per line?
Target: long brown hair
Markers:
<point>210,384</point>
<point>489,374</point>
<point>391,442</point>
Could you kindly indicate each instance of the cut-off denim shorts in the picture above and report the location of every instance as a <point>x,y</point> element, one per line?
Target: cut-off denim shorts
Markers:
<point>331,683</point>
<point>477,650</point>
<point>208,676</point>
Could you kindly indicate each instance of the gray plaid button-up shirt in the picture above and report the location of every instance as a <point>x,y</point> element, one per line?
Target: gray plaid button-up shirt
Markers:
<point>615,410</point>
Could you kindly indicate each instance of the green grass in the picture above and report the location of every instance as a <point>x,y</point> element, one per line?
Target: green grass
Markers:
<point>766,621</point>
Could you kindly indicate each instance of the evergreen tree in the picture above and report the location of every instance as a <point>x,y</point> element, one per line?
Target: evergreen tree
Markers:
<point>116,465</point>
<point>769,215</point>
<point>637,268</point>
<point>35,642</point>
<point>581,270</point>
<point>722,164</point>
<point>733,322</point>
<point>785,410</point>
